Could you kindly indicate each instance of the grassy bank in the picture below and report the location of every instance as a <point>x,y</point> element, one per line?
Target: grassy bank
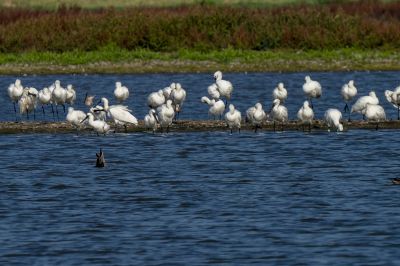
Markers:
<point>145,61</point>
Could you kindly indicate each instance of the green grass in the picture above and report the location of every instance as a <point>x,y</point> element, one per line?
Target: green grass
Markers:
<point>139,61</point>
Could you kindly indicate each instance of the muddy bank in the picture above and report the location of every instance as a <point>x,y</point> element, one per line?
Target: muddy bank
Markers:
<point>183,126</point>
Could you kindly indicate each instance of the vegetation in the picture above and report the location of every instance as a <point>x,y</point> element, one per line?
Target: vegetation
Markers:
<point>348,35</point>
<point>93,4</point>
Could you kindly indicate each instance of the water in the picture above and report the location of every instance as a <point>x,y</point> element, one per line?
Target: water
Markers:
<point>203,197</point>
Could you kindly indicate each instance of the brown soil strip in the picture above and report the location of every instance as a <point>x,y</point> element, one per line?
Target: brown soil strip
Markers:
<point>183,126</point>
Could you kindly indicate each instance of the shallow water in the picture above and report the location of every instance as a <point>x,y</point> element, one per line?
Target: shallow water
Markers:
<point>284,198</point>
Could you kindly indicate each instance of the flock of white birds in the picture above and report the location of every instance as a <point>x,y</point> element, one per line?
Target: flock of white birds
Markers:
<point>166,104</point>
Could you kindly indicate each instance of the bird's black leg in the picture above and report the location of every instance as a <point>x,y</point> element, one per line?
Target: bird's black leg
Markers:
<point>27,114</point>
<point>274,126</point>
<point>52,110</point>
<point>309,127</point>
<point>58,118</point>
<point>34,114</point>
<point>64,108</point>
<point>311,104</point>
<point>15,111</point>
<point>346,108</point>
<point>398,112</point>
<point>126,129</point>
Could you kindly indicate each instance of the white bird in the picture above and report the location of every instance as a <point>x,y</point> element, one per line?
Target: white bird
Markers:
<point>213,91</point>
<point>99,126</point>
<point>349,91</point>
<point>312,89</point>
<point>233,118</point>
<point>98,112</point>
<point>155,99</point>
<point>44,97</point>
<point>278,113</point>
<point>75,117</point>
<point>165,114</point>
<point>70,95</point>
<point>225,87</point>
<point>393,97</point>
<point>150,120</point>
<point>119,114</point>
<point>280,93</point>
<point>306,115</point>
<point>375,113</point>
<point>27,102</point>
<point>216,109</point>
<point>121,93</point>
<point>178,96</point>
<point>256,115</point>
<point>361,103</point>
<point>332,119</point>
<point>58,96</point>
<point>167,91</point>
<point>15,91</point>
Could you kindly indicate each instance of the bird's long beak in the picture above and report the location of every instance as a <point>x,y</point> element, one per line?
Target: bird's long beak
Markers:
<point>84,119</point>
<point>84,101</point>
<point>32,94</point>
<point>156,117</point>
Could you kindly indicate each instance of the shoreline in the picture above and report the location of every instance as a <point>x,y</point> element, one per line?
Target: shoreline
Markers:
<point>184,126</point>
<point>144,61</point>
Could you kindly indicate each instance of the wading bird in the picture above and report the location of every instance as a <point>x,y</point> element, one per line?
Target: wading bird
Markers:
<point>278,113</point>
<point>217,107</point>
<point>121,93</point>
<point>348,92</point>
<point>332,119</point>
<point>306,115</point>
<point>393,97</point>
<point>225,87</point>
<point>361,103</point>
<point>233,118</point>
<point>256,116</point>
<point>280,93</point>
<point>312,89</point>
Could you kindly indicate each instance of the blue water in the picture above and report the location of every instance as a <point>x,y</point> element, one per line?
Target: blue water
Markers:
<point>199,198</point>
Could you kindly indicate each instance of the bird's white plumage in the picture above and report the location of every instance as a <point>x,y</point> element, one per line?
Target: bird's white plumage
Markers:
<point>167,91</point>
<point>59,94</point>
<point>306,113</point>
<point>374,112</point>
<point>99,126</point>
<point>312,88</point>
<point>121,93</point>
<point>44,96</point>
<point>70,96</point>
<point>280,93</point>
<point>362,102</point>
<point>119,113</point>
<point>279,113</point>
<point>225,87</point>
<point>217,107</point>
<point>233,117</point>
<point>256,114</point>
<point>393,97</point>
<point>165,114</point>
<point>213,91</point>
<point>178,96</point>
<point>156,99</point>
<point>332,119</point>
<point>348,91</point>
<point>150,120</point>
<point>75,117</point>
<point>15,90</point>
